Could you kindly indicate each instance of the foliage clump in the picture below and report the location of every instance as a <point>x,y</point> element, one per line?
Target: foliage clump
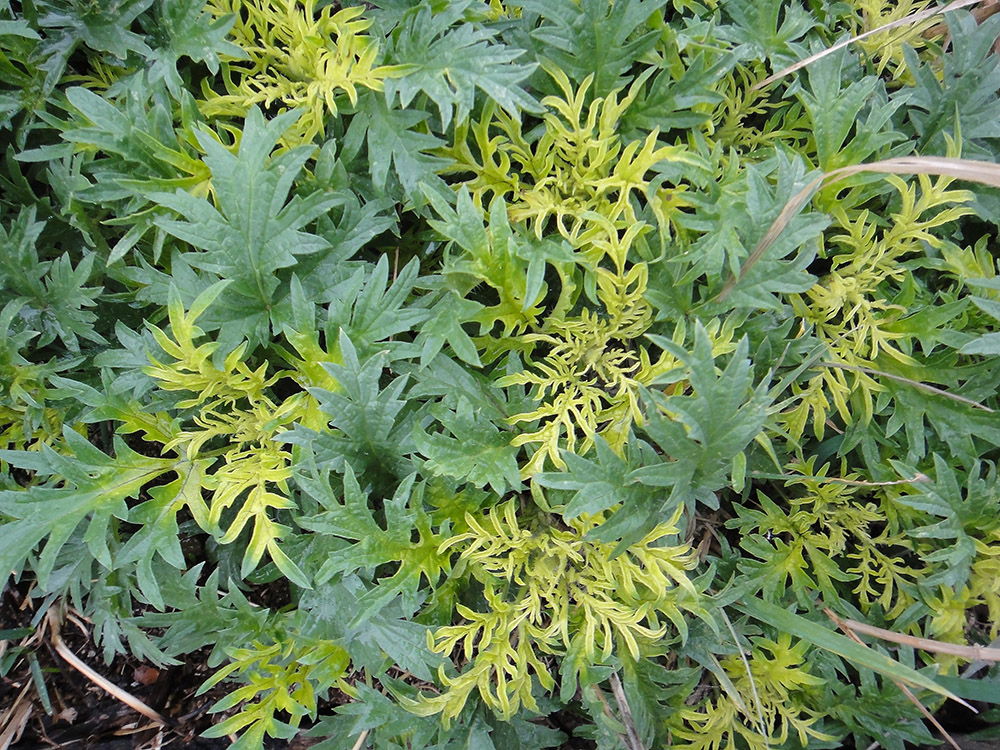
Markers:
<point>564,363</point>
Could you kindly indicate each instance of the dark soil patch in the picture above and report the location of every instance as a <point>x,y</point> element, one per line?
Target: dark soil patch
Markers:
<point>73,712</point>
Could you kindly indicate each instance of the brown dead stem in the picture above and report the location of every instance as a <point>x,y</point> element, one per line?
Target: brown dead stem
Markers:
<point>908,20</point>
<point>847,627</point>
<point>80,666</point>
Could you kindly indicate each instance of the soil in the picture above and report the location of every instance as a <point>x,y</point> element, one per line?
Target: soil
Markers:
<point>76,713</point>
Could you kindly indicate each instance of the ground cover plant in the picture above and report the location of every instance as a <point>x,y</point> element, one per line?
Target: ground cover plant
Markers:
<point>457,374</point>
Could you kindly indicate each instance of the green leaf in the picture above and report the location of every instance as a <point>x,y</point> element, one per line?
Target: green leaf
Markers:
<point>385,720</point>
<point>670,101</point>
<point>86,485</point>
<point>477,452</point>
<point>405,642</point>
<point>407,539</point>
<point>988,343</point>
<point>191,33</point>
<point>835,111</point>
<point>371,312</point>
<point>159,533</point>
<point>387,633</point>
<point>447,379</point>
<point>18,28</point>
<point>519,733</point>
<point>393,140</point>
<point>142,151</point>
<point>983,691</point>
<point>829,640</point>
<point>957,424</point>
<point>444,325</point>
<point>104,28</point>
<point>448,63</point>
<point>53,297</point>
<point>702,433</point>
<point>599,484</point>
<point>367,431</point>
<point>953,94</point>
<point>494,255</point>
<point>593,37</point>
<point>253,230</point>
<point>967,513</point>
<point>767,28</point>
<point>783,267</point>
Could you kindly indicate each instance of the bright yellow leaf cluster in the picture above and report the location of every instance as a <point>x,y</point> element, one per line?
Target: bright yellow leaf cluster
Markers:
<point>298,59</point>
<point>552,590</point>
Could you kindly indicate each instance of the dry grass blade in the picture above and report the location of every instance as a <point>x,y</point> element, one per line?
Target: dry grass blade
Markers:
<point>80,666</point>
<point>918,477</point>
<point>773,232</point>
<point>14,720</point>
<point>850,649</point>
<point>980,653</point>
<point>989,8</point>
<point>360,743</point>
<point>156,743</point>
<point>928,715</point>
<point>846,626</point>
<point>909,381</point>
<point>625,712</point>
<point>596,689</point>
<point>979,664</point>
<point>908,21</point>
<point>985,173</point>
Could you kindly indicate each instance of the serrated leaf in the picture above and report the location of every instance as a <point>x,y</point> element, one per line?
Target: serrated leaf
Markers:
<point>702,433</point>
<point>592,37</point>
<point>599,484</point>
<point>253,230</point>
<point>448,63</point>
<point>477,452</point>
<point>407,539</point>
<point>825,638</point>
<point>371,311</point>
<point>444,325</point>
<point>367,432</point>
<point>191,33</point>
<point>86,486</point>
<point>394,141</point>
<point>104,28</point>
<point>834,110</point>
<point>159,533</point>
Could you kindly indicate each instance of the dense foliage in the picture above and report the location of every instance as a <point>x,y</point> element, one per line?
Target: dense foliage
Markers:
<point>461,323</point>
